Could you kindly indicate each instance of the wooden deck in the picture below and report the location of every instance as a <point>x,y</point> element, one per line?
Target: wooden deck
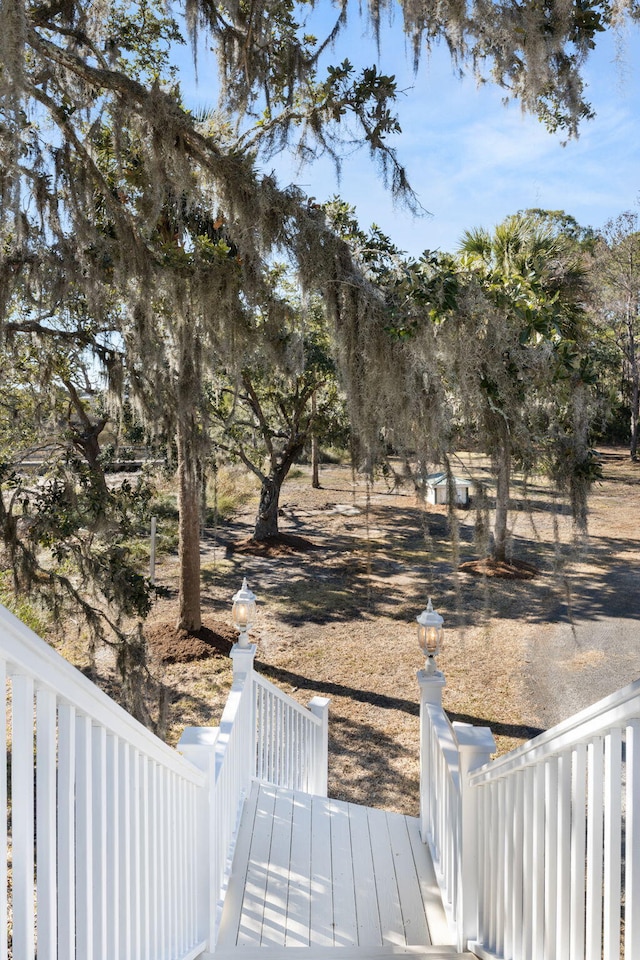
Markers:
<point>328,878</point>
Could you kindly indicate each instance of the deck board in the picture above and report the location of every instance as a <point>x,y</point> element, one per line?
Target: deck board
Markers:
<point>364,881</point>
<point>251,915</point>
<point>345,924</point>
<point>298,925</point>
<point>322,893</point>
<point>277,890</point>
<point>416,929</point>
<point>310,873</point>
<point>384,871</point>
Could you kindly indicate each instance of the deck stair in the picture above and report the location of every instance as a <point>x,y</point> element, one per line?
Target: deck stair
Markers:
<point>228,848</point>
<point>330,880</point>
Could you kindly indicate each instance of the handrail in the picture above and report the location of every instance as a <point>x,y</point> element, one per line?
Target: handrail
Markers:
<point>133,840</point>
<point>26,654</point>
<point>558,851</point>
<point>613,710</point>
<point>291,703</point>
<point>115,865</point>
<point>442,826</point>
<point>291,747</point>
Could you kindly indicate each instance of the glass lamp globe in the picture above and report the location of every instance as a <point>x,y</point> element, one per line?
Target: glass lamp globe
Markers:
<point>430,631</point>
<point>243,612</point>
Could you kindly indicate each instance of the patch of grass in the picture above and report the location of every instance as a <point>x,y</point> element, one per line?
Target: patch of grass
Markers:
<point>21,607</point>
<point>228,491</point>
<point>216,569</point>
<point>165,506</point>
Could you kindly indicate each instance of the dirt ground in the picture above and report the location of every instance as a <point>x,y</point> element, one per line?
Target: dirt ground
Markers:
<point>338,620</point>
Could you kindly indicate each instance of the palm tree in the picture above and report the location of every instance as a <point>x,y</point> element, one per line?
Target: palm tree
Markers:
<point>529,286</point>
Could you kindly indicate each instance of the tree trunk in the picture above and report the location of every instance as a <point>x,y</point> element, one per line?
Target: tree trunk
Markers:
<point>635,395</point>
<point>635,420</point>
<point>503,479</point>
<point>267,519</point>
<point>315,449</point>
<point>189,492</point>
<point>315,464</point>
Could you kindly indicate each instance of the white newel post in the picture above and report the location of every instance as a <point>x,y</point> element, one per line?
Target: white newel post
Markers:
<point>319,707</point>
<point>475,746</point>
<point>243,658</point>
<point>198,744</point>
<point>431,686</point>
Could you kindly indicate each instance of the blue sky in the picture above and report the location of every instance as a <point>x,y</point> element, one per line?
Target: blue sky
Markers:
<point>473,161</point>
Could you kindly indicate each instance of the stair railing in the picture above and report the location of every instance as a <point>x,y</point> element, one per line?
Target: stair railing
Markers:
<point>115,844</point>
<point>101,822</point>
<point>266,735</point>
<point>448,752</point>
<point>558,826</point>
<point>291,740</point>
<point>537,853</point>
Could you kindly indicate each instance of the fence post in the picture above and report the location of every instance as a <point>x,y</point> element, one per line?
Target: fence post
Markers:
<point>319,707</point>
<point>475,746</point>
<point>431,686</point>
<point>198,744</point>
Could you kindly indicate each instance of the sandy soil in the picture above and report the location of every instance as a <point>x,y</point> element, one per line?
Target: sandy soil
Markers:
<point>339,620</point>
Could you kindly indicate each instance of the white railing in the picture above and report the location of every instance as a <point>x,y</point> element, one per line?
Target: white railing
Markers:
<point>115,845</point>
<point>440,813</point>
<point>559,840</point>
<point>291,741</point>
<point>537,853</point>
<point>263,734</point>
<point>102,848</point>
<point>448,752</point>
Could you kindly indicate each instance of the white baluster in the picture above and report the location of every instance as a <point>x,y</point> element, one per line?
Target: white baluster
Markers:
<point>66,830</point>
<point>578,850</point>
<point>114,851</point>
<point>538,863</point>
<point>46,819</point>
<point>518,860</point>
<point>564,856</point>
<point>632,843</point>
<point>612,844</point>
<point>125,860</point>
<point>528,866</point>
<point>4,842</point>
<point>99,830</point>
<point>22,817</point>
<point>595,841</point>
<point>84,840</point>
<point>551,858</point>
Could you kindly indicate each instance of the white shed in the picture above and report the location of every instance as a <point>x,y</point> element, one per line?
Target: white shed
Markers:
<point>438,489</point>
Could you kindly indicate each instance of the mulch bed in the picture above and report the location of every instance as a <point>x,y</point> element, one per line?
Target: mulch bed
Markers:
<point>171,645</point>
<point>511,570</point>
<point>282,544</point>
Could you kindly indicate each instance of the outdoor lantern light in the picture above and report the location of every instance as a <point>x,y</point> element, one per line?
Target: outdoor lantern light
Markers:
<point>243,612</point>
<point>430,636</point>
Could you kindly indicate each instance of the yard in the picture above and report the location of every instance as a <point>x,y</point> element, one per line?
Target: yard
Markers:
<point>337,618</point>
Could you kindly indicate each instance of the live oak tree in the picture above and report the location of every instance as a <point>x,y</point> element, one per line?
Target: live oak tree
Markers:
<point>106,203</point>
<point>66,532</point>
<point>276,397</point>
